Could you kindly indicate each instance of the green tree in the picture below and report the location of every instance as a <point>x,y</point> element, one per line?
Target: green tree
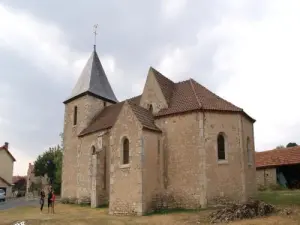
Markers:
<point>50,163</point>
<point>291,144</point>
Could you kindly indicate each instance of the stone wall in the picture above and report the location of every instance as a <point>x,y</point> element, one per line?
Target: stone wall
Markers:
<point>126,180</point>
<point>183,160</point>
<point>249,165</point>
<point>87,107</point>
<point>152,94</point>
<point>151,174</point>
<point>266,177</point>
<point>224,177</point>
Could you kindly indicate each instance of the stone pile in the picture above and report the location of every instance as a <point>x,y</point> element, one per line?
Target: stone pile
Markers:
<point>250,209</point>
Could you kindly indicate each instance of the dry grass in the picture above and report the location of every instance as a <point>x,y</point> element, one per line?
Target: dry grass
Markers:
<point>72,214</point>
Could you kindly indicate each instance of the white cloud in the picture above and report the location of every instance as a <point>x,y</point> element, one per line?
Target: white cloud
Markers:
<point>172,8</point>
<point>262,58</point>
<point>43,44</point>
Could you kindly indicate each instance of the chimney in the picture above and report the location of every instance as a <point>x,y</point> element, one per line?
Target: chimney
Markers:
<point>6,145</point>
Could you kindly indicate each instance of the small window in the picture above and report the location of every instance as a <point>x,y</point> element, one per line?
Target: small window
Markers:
<point>93,150</point>
<point>151,108</point>
<point>126,151</point>
<point>75,116</point>
<point>104,104</point>
<point>221,147</point>
<point>249,153</point>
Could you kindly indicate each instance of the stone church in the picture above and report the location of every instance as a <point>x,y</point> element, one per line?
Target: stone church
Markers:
<point>177,143</point>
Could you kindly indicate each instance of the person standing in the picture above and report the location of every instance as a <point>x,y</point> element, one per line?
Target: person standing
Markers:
<point>50,200</point>
<point>53,201</point>
<point>42,200</point>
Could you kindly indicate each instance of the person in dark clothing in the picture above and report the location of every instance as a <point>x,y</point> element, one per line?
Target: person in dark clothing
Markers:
<point>42,200</point>
<point>49,200</point>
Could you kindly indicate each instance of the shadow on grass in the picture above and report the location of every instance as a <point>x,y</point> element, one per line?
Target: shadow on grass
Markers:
<point>176,210</point>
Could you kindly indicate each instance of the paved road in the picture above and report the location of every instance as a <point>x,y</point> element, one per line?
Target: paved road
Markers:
<point>13,203</point>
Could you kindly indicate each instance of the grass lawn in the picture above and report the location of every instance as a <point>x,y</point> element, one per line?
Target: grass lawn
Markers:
<point>73,214</point>
<point>288,197</point>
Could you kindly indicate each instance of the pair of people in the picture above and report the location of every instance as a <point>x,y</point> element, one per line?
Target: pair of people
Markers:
<point>51,200</point>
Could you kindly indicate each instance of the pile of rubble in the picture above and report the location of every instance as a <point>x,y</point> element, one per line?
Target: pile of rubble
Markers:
<point>250,209</point>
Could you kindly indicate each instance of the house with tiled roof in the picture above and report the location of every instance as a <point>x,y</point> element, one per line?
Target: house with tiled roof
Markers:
<point>280,166</point>
<point>6,169</point>
<point>176,143</point>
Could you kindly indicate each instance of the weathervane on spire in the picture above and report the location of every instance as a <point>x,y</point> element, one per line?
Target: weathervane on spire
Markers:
<point>95,34</point>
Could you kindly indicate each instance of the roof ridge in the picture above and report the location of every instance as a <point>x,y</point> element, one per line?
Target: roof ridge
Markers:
<point>159,73</point>
<point>280,149</point>
<point>217,96</point>
<point>193,88</point>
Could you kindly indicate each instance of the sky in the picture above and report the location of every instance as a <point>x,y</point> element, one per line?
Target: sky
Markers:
<point>246,51</point>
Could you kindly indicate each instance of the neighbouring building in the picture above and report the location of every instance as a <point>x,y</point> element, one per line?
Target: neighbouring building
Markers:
<point>278,167</point>
<point>35,183</point>
<point>177,142</point>
<point>6,169</point>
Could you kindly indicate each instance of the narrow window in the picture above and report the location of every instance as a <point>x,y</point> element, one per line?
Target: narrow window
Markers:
<point>126,151</point>
<point>151,108</point>
<point>75,116</point>
<point>249,153</point>
<point>221,147</point>
<point>104,104</point>
<point>93,150</point>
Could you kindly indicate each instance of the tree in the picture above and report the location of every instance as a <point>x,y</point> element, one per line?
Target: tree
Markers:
<point>50,163</point>
<point>291,144</point>
<point>280,146</point>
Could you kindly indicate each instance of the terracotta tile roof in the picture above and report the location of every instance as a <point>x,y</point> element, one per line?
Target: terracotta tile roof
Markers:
<point>278,157</point>
<point>17,178</point>
<point>144,116</point>
<point>4,148</point>
<point>182,97</point>
<point>189,95</point>
<point>166,85</point>
<point>107,117</point>
<point>5,181</point>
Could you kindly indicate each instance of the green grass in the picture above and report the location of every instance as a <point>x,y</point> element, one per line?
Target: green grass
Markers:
<point>286,197</point>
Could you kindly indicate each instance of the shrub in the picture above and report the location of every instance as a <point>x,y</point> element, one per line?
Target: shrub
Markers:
<point>262,188</point>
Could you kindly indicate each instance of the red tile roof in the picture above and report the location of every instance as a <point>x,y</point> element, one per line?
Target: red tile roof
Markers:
<point>278,157</point>
<point>144,116</point>
<point>4,148</point>
<point>17,178</point>
<point>181,97</point>
<point>106,118</point>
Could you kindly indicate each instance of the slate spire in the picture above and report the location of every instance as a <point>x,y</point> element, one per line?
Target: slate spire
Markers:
<point>93,81</point>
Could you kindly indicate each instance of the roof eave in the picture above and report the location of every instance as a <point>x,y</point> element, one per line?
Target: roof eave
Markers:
<point>91,94</point>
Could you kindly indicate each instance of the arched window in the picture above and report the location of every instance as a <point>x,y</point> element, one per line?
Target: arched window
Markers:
<point>125,151</point>
<point>151,108</point>
<point>249,153</point>
<point>221,147</point>
<point>75,116</point>
<point>93,150</point>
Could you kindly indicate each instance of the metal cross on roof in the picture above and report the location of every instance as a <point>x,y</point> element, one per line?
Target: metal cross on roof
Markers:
<point>95,34</point>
